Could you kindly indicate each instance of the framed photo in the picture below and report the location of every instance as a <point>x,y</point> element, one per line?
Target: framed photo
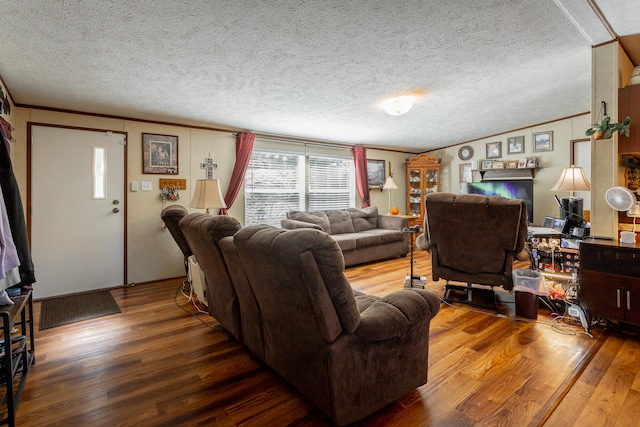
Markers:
<point>512,164</point>
<point>522,163</point>
<point>376,172</point>
<point>515,145</point>
<point>531,162</point>
<point>487,164</point>
<point>494,150</point>
<point>498,165</point>
<point>543,141</point>
<point>466,175</point>
<point>159,154</point>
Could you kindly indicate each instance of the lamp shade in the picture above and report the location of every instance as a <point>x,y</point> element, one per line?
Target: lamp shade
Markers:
<point>572,179</point>
<point>390,184</point>
<point>208,195</point>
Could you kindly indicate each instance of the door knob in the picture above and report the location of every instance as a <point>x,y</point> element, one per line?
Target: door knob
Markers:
<point>116,202</point>
<point>116,210</point>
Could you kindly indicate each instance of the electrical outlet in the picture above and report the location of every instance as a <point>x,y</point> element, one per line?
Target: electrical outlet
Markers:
<point>146,186</point>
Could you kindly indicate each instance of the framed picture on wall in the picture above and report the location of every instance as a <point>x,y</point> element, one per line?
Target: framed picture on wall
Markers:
<point>543,141</point>
<point>466,173</point>
<point>515,145</point>
<point>376,172</point>
<point>159,154</point>
<point>494,150</point>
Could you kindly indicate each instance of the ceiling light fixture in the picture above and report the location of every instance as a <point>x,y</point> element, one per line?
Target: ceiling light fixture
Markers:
<point>398,105</point>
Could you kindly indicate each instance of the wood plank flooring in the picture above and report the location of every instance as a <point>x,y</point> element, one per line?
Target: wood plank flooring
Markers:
<point>160,363</point>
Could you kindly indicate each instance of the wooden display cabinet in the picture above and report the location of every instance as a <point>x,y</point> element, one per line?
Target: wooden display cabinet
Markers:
<point>423,177</point>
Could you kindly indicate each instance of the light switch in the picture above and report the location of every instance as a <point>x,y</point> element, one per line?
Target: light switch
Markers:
<point>134,186</point>
<point>146,186</point>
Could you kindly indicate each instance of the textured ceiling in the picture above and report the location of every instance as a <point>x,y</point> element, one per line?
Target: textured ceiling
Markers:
<point>312,69</point>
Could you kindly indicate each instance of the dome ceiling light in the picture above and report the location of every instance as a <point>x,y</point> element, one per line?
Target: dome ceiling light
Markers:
<point>398,105</point>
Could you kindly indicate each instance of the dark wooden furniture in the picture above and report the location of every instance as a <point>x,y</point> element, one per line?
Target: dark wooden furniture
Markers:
<point>629,105</point>
<point>610,280</point>
<point>19,352</point>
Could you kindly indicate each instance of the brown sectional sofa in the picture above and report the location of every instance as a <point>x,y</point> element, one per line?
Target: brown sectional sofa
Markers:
<point>348,353</point>
<point>362,234</point>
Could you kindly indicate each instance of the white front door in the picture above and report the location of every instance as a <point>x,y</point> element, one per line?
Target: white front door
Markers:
<point>77,209</point>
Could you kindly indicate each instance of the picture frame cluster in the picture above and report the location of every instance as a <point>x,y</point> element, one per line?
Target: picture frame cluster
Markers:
<point>524,163</point>
<point>542,141</point>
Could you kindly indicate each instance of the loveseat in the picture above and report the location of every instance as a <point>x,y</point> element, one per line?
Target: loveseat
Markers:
<point>348,353</point>
<point>362,234</point>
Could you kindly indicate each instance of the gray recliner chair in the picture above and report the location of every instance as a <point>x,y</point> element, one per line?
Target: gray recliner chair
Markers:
<point>348,353</point>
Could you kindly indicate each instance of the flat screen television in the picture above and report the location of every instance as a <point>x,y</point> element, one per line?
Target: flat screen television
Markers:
<point>522,189</point>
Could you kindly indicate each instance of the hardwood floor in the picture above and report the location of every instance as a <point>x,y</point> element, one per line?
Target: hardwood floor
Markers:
<point>159,362</point>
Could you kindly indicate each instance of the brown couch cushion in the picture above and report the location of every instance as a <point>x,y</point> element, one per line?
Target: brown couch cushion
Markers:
<point>340,221</point>
<point>364,219</point>
<point>346,242</point>
<point>317,217</point>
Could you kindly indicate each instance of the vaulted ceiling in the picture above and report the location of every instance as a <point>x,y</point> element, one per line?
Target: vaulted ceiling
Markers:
<point>315,69</point>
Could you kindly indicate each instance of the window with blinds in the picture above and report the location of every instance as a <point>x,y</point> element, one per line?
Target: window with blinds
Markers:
<point>279,182</point>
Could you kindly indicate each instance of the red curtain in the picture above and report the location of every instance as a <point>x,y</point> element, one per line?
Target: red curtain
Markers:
<point>362,177</point>
<point>244,147</point>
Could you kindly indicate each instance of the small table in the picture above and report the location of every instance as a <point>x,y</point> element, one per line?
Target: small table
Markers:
<point>413,281</point>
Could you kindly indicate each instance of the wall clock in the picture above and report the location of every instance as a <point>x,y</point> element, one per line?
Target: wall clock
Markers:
<point>465,153</point>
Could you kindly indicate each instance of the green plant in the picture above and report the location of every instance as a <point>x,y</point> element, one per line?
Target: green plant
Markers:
<point>607,128</point>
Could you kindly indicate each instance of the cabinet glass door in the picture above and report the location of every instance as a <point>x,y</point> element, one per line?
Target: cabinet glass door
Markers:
<point>415,192</point>
<point>431,181</point>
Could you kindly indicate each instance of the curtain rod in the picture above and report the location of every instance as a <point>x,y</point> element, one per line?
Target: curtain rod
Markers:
<point>291,140</point>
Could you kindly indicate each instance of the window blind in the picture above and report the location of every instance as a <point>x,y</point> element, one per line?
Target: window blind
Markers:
<point>279,182</point>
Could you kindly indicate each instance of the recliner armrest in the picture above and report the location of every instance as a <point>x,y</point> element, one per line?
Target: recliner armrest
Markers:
<point>292,224</point>
<point>397,313</point>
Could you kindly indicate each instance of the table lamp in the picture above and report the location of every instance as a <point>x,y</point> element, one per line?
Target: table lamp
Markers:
<point>571,208</point>
<point>208,195</point>
<point>390,184</point>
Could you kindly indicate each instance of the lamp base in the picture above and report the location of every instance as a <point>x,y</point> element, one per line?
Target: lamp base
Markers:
<point>572,210</point>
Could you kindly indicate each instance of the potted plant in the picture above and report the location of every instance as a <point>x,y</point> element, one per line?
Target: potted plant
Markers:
<point>604,129</point>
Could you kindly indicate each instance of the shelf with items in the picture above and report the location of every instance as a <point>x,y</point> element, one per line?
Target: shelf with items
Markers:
<point>423,177</point>
<point>509,169</point>
<point>18,353</point>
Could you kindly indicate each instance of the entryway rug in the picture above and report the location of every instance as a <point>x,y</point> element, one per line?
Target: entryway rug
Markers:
<point>76,308</point>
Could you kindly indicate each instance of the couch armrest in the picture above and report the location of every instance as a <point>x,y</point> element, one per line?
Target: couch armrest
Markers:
<point>397,313</point>
<point>292,224</point>
<point>390,222</point>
